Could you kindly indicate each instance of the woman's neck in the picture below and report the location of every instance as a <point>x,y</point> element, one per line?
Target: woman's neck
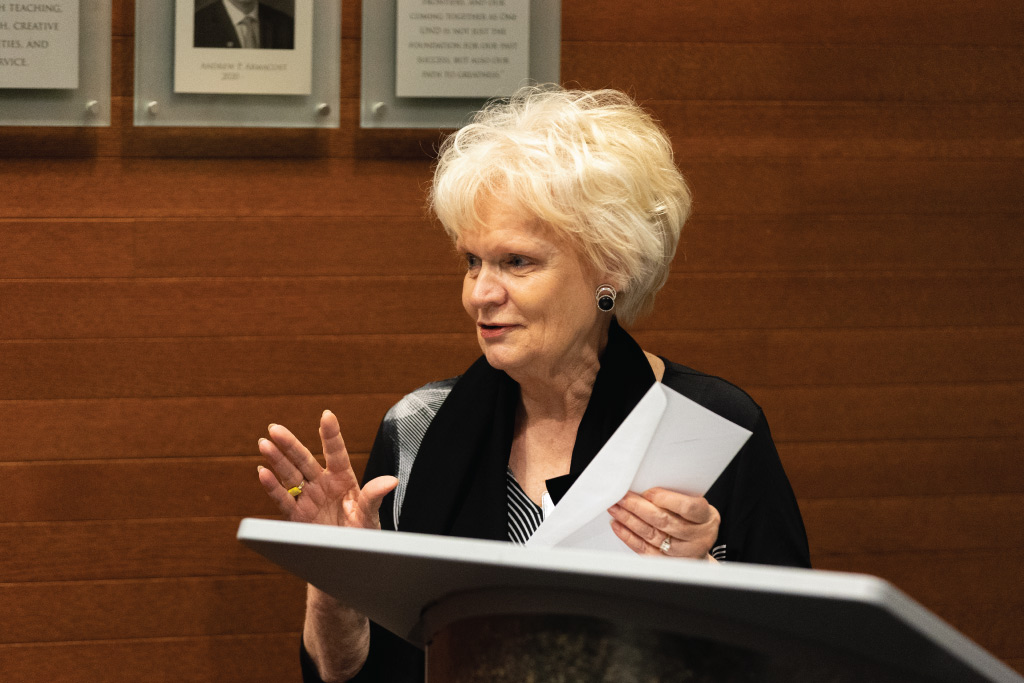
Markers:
<point>562,397</point>
<point>562,389</point>
<point>547,419</point>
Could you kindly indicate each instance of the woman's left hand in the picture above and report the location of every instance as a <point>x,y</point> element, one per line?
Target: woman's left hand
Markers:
<point>644,522</point>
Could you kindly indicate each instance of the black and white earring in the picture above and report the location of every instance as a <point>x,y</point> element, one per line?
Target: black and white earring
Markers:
<point>606,297</point>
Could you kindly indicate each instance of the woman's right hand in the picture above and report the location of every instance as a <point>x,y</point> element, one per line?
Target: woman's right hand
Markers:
<point>329,495</point>
<point>336,637</point>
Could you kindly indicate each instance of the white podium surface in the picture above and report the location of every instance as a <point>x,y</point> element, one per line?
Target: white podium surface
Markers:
<point>413,584</point>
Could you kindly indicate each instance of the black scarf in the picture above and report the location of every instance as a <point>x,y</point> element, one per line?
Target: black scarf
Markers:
<point>457,483</point>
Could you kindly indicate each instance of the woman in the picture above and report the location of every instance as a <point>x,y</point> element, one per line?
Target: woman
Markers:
<point>567,209</point>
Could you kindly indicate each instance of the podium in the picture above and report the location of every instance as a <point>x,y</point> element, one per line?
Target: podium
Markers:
<point>492,611</point>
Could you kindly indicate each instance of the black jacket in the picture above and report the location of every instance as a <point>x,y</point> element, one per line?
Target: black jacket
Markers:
<point>760,520</point>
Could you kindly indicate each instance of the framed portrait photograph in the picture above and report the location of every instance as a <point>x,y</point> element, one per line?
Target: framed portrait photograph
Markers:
<point>246,47</point>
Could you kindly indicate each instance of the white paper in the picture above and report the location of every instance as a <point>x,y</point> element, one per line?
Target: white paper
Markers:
<point>39,44</point>
<point>667,441</point>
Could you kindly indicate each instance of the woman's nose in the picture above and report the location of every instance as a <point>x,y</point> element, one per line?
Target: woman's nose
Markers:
<point>487,288</point>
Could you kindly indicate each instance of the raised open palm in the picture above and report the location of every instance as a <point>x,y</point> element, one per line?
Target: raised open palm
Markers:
<point>329,495</point>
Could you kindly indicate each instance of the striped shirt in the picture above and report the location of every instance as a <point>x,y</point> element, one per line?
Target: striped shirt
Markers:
<point>524,516</point>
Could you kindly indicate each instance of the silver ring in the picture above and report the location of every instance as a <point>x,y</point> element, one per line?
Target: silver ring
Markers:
<point>666,545</point>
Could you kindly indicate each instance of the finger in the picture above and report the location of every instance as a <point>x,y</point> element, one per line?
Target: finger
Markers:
<point>635,543</point>
<point>335,452</point>
<point>375,490</point>
<point>287,474</point>
<point>689,538</point>
<point>663,521</point>
<point>637,526</point>
<point>284,501</point>
<point>372,495</point>
<point>691,508</point>
<point>639,532</point>
<point>295,452</point>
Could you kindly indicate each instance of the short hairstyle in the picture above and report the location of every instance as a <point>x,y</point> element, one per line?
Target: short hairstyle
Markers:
<point>592,165</point>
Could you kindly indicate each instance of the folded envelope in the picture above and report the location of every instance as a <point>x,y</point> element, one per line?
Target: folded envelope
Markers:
<point>667,441</point>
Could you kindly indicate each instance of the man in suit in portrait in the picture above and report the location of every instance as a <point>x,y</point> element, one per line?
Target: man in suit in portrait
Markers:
<point>246,24</point>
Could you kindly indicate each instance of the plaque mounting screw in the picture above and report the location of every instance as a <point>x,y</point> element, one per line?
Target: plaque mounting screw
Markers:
<point>153,108</point>
<point>323,109</point>
<point>92,107</point>
<point>379,109</point>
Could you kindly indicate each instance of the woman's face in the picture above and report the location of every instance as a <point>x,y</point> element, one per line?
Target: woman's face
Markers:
<point>530,295</point>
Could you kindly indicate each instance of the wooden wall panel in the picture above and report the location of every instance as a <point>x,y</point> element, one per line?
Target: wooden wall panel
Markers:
<point>210,366</point>
<point>793,71</point>
<point>840,245</point>
<point>223,188</point>
<point>97,550</point>
<point>896,476</point>
<point>71,429</point>
<point>699,128</point>
<point>230,659</point>
<point>870,469</point>
<point>910,467</point>
<point>944,22</point>
<point>900,411</point>
<point>842,129</point>
<point>104,429</point>
<point>270,306</point>
<point>916,523</point>
<point>851,244</point>
<point>160,489</point>
<point>854,262</point>
<point>150,608</point>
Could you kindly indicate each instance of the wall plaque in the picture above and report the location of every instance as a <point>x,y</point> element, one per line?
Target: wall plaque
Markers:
<point>55,63</point>
<point>201,63</point>
<point>431,63</point>
<point>39,44</point>
<point>461,48</point>
<point>243,47</point>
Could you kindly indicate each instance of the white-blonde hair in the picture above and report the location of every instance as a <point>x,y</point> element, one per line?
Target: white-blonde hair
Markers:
<point>592,165</point>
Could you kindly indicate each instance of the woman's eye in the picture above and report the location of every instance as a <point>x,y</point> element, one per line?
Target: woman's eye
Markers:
<point>517,261</point>
<point>472,261</point>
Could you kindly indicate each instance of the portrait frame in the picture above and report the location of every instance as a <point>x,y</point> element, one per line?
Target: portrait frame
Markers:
<point>209,56</point>
<point>157,103</point>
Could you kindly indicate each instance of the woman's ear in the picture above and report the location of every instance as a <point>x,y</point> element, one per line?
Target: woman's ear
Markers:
<point>613,280</point>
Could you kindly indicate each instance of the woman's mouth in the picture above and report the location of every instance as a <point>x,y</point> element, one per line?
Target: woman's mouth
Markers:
<point>489,331</point>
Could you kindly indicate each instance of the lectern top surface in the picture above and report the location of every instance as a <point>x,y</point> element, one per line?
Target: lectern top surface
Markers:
<point>398,578</point>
